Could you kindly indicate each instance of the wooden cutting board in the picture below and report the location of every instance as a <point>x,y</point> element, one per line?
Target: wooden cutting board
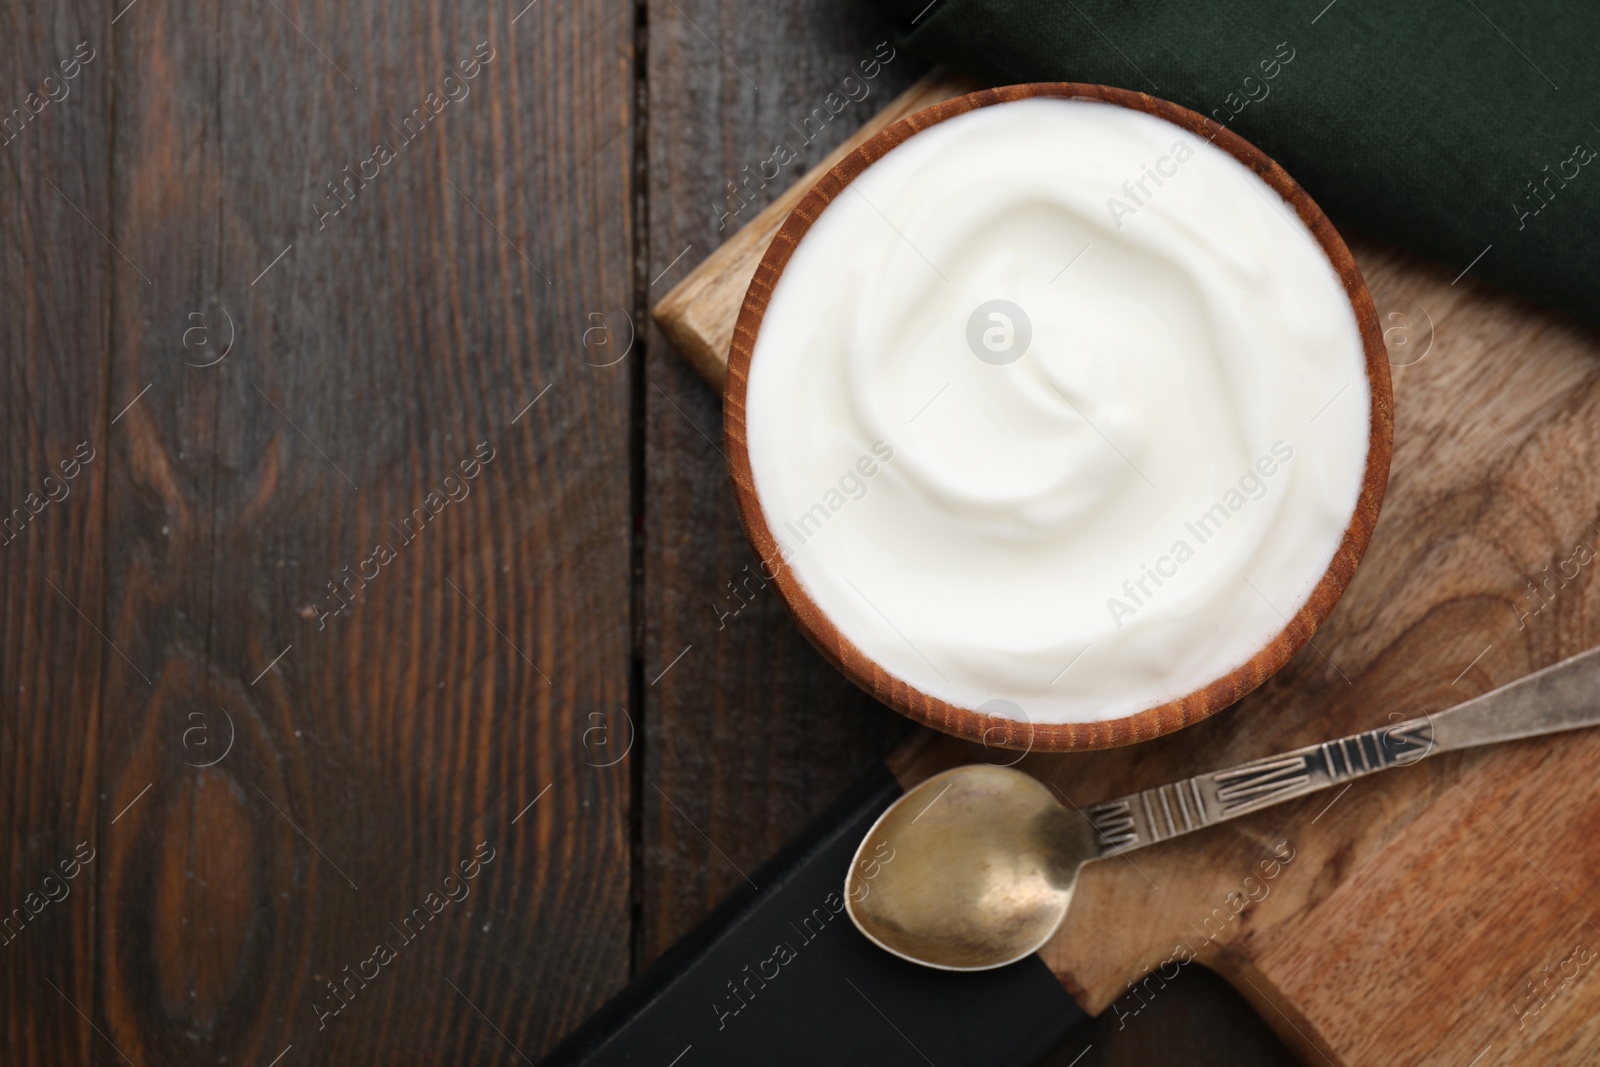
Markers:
<point>1433,914</point>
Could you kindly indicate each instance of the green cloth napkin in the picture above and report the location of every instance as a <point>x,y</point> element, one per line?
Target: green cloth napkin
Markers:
<point>1467,131</point>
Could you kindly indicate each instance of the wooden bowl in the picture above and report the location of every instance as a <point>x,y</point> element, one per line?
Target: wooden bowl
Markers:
<point>1059,737</point>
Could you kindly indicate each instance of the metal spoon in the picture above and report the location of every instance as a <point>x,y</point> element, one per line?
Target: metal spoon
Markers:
<point>974,868</point>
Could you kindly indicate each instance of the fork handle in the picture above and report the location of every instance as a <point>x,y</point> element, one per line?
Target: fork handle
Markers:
<point>1153,815</point>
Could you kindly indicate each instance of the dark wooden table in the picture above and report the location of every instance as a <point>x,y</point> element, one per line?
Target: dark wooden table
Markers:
<point>400,599</point>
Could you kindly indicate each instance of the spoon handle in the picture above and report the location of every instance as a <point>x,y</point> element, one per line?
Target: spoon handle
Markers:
<point>1153,815</point>
<point>1565,696</point>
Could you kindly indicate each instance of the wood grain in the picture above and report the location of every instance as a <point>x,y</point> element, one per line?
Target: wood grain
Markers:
<point>54,276</point>
<point>1417,904</point>
<point>378,746</point>
<point>994,730</point>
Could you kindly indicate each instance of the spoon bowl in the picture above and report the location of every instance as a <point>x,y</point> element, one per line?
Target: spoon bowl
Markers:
<point>971,870</point>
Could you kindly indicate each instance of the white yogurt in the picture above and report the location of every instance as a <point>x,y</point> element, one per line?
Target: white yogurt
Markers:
<point>1111,517</point>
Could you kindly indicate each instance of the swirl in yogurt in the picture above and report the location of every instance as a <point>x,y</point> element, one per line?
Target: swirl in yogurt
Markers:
<point>1123,393</point>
